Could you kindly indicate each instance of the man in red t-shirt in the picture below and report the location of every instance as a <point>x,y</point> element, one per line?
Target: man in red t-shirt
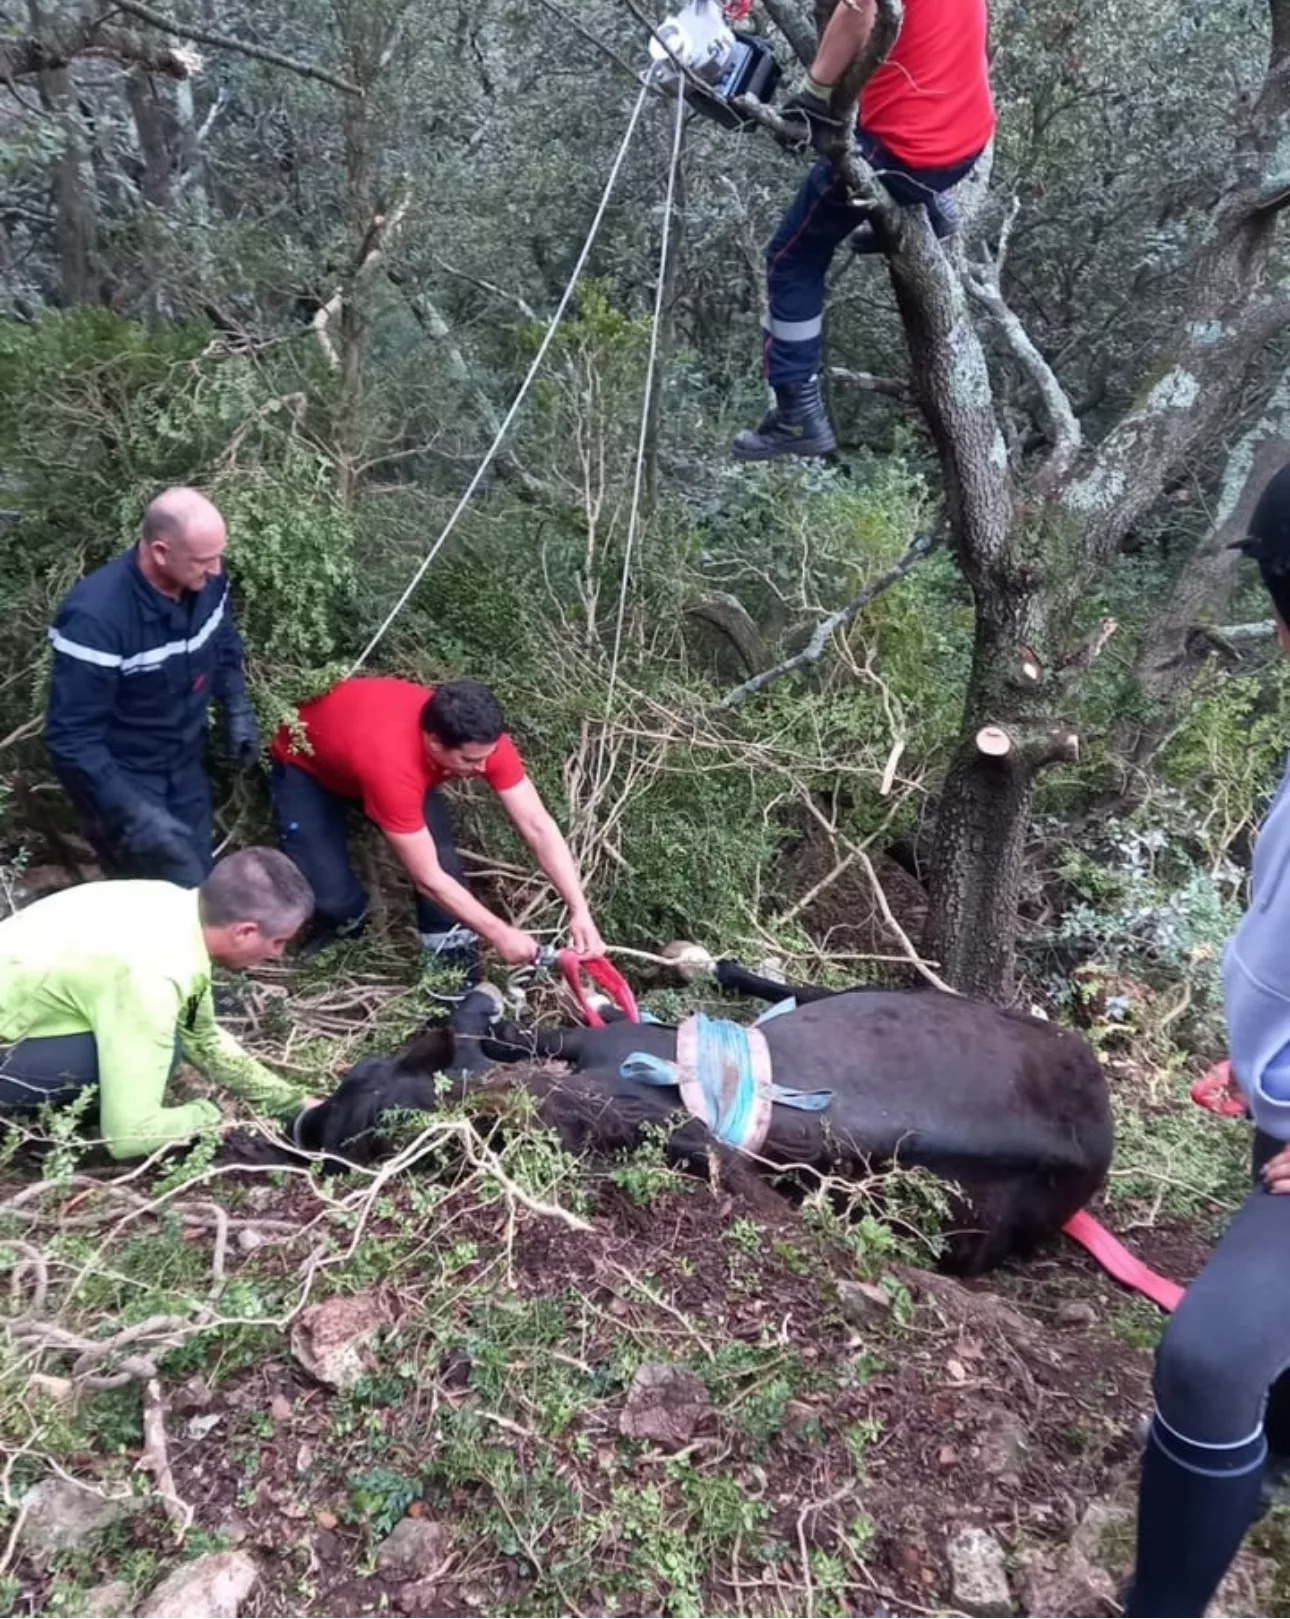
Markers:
<point>386,747</point>
<point>926,116</point>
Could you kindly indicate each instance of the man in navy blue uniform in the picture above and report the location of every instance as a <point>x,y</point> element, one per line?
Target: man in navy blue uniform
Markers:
<point>141,646</point>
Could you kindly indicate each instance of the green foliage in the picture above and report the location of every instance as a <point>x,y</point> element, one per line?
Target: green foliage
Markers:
<point>1228,750</point>
<point>97,414</point>
<point>1149,899</point>
<point>1173,1159</point>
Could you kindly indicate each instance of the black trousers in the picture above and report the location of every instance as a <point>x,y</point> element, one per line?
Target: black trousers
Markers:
<point>186,792</point>
<point>313,828</point>
<point>49,1069</point>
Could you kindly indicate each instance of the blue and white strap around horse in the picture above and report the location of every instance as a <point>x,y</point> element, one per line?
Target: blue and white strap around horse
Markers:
<point>723,1072</point>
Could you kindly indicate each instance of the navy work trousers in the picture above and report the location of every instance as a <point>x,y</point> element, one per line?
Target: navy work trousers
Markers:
<point>818,221</point>
<point>313,828</point>
<point>186,793</point>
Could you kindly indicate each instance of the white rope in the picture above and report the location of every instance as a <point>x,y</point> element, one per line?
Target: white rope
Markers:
<point>650,368</point>
<point>511,414</point>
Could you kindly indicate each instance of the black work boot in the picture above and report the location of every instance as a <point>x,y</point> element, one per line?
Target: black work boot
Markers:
<point>327,932</point>
<point>798,425</point>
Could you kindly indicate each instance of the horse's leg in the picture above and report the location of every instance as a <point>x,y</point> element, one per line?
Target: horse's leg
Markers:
<point>732,975</point>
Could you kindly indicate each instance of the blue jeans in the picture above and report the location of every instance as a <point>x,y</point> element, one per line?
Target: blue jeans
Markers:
<point>313,828</point>
<point>186,793</point>
<point>819,220</point>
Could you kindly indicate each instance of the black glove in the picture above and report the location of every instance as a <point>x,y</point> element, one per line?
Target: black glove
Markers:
<point>243,733</point>
<point>147,829</point>
<point>810,109</point>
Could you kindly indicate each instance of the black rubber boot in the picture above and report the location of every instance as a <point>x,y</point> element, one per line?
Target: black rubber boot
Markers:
<point>327,932</point>
<point>798,425</point>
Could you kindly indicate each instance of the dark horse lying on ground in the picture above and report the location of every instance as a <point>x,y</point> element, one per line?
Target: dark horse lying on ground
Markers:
<point>1011,1109</point>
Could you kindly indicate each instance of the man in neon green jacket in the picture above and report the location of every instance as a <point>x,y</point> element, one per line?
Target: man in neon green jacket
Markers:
<point>109,983</point>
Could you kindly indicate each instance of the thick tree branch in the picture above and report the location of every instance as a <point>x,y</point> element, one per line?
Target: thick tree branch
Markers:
<point>1028,753</point>
<point>794,27</point>
<point>983,284</point>
<point>1177,640</point>
<point>825,630</point>
<point>29,56</point>
<point>860,180</point>
<point>243,47</point>
<point>1234,308</point>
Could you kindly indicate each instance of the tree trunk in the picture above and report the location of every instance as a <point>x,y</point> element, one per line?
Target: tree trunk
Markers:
<point>154,147</point>
<point>75,221</point>
<point>362,170</point>
<point>192,180</point>
<point>978,864</point>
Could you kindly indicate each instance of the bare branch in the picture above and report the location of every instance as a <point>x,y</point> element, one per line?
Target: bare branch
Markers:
<point>825,630</point>
<point>525,308</point>
<point>888,16</point>
<point>982,282</point>
<point>1177,640</point>
<point>323,317</point>
<point>1056,746</point>
<point>894,387</point>
<point>592,38</point>
<point>879,893</point>
<point>1262,631</point>
<point>1090,649</point>
<point>243,47</point>
<point>1059,746</point>
<point>156,1456</point>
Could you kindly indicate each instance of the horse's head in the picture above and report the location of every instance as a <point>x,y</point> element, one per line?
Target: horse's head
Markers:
<point>346,1123</point>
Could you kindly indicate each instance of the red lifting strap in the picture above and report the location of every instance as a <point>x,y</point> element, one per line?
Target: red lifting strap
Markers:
<point>736,10</point>
<point>1116,1260</point>
<point>605,976</point>
<point>1218,1091</point>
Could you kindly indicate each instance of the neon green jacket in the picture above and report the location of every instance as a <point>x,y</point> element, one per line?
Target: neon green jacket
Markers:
<point>127,962</point>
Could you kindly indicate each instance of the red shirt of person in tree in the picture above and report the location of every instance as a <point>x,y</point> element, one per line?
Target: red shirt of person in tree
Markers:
<point>386,746</point>
<point>925,116</point>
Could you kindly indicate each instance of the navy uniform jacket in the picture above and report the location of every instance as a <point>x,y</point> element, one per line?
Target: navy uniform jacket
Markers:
<point>134,673</point>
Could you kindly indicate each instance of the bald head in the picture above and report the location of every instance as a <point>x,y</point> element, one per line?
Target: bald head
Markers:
<point>182,542</point>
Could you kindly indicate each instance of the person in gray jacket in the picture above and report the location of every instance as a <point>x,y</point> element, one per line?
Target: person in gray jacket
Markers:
<point>1222,1399</point>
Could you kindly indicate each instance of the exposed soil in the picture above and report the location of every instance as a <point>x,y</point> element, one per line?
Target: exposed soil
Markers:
<point>977,1410</point>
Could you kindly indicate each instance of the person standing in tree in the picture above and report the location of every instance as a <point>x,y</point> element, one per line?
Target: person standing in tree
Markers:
<point>1222,1417</point>
<point>387,746</point>
<point>141,646</point>
<point>926,115</point>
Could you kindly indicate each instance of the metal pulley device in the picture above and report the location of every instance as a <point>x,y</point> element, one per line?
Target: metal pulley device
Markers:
<point>696,53</point>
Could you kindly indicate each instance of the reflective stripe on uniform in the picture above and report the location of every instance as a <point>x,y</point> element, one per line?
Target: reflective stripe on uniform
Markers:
<point>151,659</point>
<point>86,654</point>
<point>794,331</point>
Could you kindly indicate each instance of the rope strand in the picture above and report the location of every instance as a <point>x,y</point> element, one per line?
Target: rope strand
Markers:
<point>643,437</point>
<point>511,414</point>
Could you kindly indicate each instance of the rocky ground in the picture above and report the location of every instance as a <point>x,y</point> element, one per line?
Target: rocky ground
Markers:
<point>679,1408</point>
